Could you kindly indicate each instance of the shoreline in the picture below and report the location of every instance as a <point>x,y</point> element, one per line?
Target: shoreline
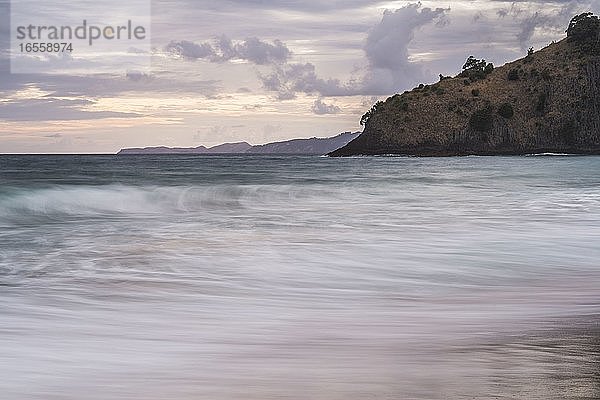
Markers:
<point>557,359</point>
<point>431,153</point>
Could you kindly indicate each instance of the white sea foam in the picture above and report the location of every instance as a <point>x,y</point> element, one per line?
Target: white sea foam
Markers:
<point>138,201</point>
<point>550,154</point>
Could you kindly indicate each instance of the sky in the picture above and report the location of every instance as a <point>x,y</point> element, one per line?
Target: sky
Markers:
<point>256,70</point>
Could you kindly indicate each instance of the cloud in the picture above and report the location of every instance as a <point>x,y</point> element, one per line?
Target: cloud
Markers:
<point>387,48</point>
<point>252,49</point>
<point>55,109</point>
<point>528,26</point>
<point>547,16</point>
<point>289,79</point>
<point>321,108</point>
<point>191,50</point>
<point>309,6</point>
<point>389,66</point>
<point>105,85</point>
<point>261,53</point>
<point>137,76</point>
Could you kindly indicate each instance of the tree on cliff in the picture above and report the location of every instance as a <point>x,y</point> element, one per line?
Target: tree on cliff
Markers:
<point>369,114</point>
<point>584,27</point>
<point>475,69</point>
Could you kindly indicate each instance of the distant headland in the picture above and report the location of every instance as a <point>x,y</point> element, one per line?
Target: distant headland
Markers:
<point>316,146</point>
<point>548,101</point>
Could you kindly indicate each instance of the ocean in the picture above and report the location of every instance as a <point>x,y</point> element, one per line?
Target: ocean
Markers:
<point>299,277</point>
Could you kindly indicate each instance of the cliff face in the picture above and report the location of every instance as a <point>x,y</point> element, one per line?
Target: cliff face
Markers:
<point>548,101</point>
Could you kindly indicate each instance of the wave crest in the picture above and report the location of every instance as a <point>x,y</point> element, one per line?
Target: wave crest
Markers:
<point>127,200</point>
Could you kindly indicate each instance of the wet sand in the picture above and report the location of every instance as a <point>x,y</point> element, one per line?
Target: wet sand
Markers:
<point>560,360</point>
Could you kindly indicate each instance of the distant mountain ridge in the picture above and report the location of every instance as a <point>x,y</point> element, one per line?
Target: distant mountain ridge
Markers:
<point>305,146</point>
<point>313,145</point>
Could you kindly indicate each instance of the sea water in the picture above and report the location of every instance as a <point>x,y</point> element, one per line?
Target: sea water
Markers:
<point>289,277</point>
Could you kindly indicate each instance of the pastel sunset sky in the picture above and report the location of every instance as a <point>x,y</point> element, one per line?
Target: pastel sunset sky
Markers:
<point>261,70</point>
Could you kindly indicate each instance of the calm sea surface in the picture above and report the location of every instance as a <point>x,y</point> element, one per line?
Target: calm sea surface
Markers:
<point>259,278</point>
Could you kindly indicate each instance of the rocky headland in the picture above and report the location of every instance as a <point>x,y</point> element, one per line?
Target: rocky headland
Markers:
<point>548,101</point>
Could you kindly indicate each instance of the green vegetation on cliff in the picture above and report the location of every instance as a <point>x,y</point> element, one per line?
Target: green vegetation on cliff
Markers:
<point>548,101</point>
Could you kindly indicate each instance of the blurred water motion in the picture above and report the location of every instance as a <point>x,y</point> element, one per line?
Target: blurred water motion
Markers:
<point>238,277</point>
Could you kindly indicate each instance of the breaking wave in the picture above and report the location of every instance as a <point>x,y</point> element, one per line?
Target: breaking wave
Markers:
<point>115,200</point>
